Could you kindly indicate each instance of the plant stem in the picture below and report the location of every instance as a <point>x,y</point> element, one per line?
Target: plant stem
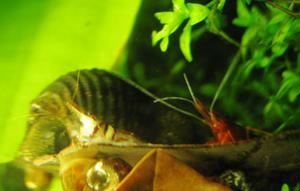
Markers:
<point>228,38</point>
<point>198,32</point>
<point>287,11</point>
<point>218,31</point>
<point>229,71</point>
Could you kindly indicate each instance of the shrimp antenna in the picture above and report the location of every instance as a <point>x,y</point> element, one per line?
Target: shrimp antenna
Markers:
<point>174,98</point>
<point>163,101</point>
<point>197,103</point>
<point>190,88</point>
<point>194,102</point>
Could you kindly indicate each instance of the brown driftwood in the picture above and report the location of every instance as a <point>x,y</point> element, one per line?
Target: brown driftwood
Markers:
<point>273,158</point>
<point>279,152</point>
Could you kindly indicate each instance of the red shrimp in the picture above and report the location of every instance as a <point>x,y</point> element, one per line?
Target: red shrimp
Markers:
<point>222,131</point>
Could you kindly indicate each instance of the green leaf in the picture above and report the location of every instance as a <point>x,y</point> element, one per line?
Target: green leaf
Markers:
<point>285,31</point>
<point>259,88</point>
<point>243,13</point>
<point>208,89</point>
<point>247,38</point>
<point>290,85</point>
<point>279,48</point>
<point>258,60</point>
<point>214,22</point>
<point>177,68</point>
<point>178,3</point>
<point>221,5</point>
<point>297,187</point>
<point>156,36</point>
<point>164,17</point>
<point>274,111</point>
<point>264,62</point>
<point>285,187</point>
<point>294,93</point>
<point>281,34</point>
<point>298,62</point>
<point>247,68</point>
<point>197,12</point>
<point>248,1</point>
<point>185,42</point>
<point>164,44</point>
<point>179,6</point>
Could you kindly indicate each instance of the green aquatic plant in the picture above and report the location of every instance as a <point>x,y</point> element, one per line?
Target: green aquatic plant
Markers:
<point>266,64</point>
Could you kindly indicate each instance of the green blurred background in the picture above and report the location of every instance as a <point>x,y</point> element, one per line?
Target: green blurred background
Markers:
<point>41,40</point>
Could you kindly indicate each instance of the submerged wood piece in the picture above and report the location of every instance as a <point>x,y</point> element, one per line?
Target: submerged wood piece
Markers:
<point>263,160</point>
<point>263,155</point>
<point>159,171</point>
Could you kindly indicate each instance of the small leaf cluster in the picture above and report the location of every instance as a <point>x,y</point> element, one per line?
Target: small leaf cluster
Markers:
<point>264,46</point>
<point>191,12</point>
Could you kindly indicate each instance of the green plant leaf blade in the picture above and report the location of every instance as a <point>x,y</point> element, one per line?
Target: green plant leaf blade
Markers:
<point>164,17</point>
<point>179,6</point>
<point>285,187</point>
<point>243,13</point>
<point>197,12</point>
<point>164,44</point>
<point>185,42</point>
